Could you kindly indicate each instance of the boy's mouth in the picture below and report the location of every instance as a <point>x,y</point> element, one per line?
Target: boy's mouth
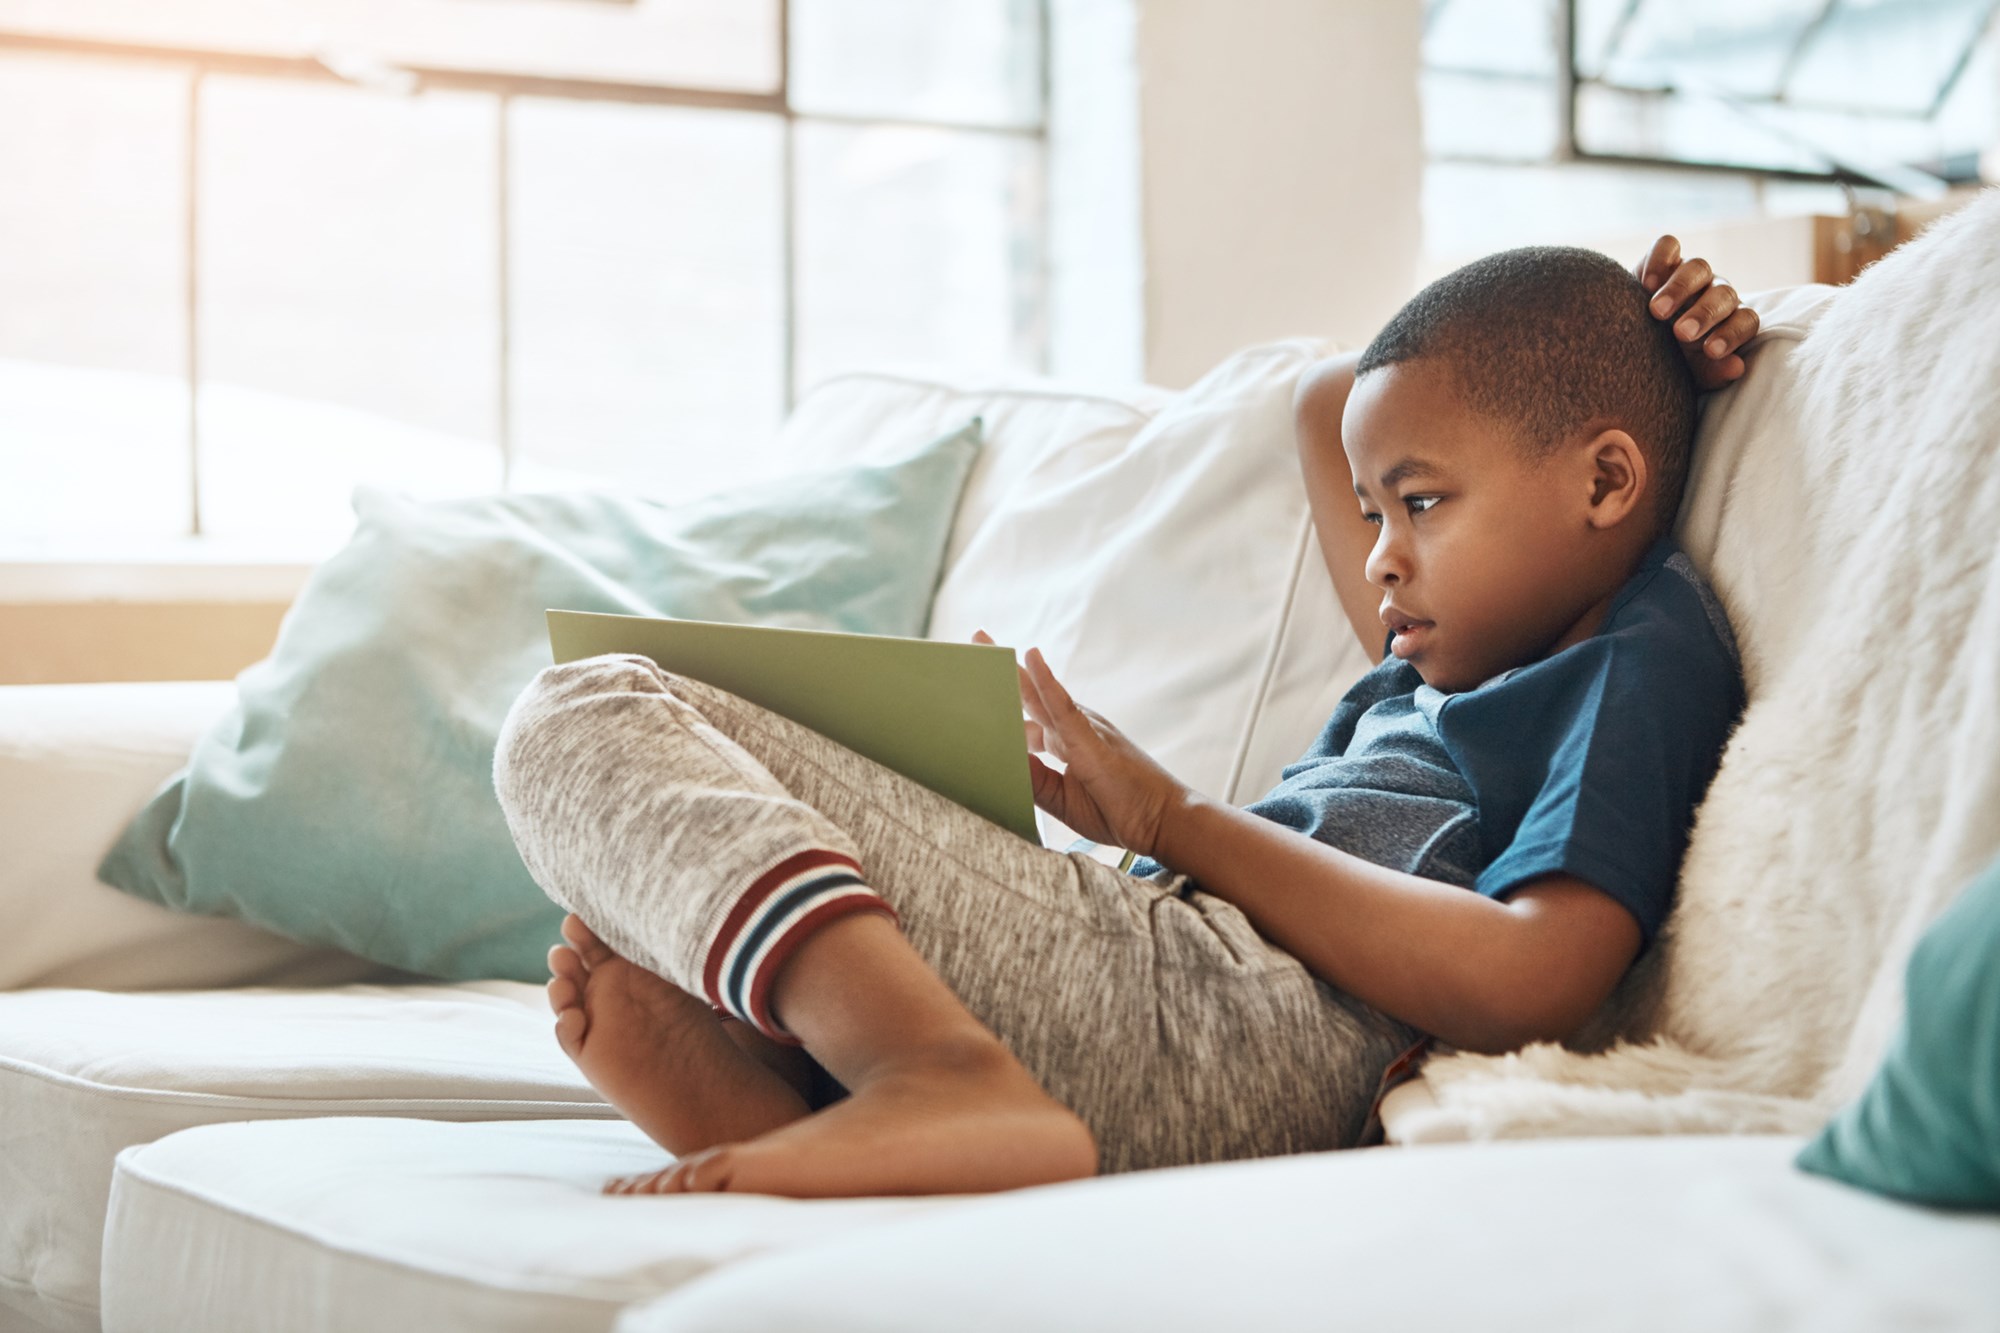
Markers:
<point>1410,638</point>
<point>1410,632</point>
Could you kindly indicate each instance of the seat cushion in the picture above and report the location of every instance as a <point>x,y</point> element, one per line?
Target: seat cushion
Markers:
<point>84,1074</point>
<point>350,1223</point>
<point>1637,1234</point>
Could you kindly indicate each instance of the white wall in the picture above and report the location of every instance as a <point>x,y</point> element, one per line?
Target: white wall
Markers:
<point>1278,168</point>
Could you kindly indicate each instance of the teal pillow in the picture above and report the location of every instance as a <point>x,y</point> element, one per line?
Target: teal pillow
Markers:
<point>1927,1127</point>
<point>347,796</point>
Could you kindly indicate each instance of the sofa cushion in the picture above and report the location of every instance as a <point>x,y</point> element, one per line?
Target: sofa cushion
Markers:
<point>76,763</point>
<point>1713,1233</point>
<point>84,1074</point>
<point>1156,546</point>
<point>1927,1126</point>
<point>347,1223</point>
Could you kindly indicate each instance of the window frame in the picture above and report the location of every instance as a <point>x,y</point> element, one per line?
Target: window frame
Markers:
<point>193,548</point>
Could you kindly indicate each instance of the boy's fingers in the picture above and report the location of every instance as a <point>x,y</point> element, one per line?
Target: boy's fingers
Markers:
<point>1709,310</point>
<point>1685,281</point>
<point>1054,697</point>
<point>1059,715</point>
<point>1048,785</point>
<point>1732,333</point>
<point>1031,693</point>
<point>1659,261</point>
<point>1029,699</point>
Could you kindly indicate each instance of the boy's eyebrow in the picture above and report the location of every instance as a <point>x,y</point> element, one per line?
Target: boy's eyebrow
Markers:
<point>1408,467</point>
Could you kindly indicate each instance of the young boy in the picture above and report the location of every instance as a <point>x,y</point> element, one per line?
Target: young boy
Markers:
<point>977,1013</point>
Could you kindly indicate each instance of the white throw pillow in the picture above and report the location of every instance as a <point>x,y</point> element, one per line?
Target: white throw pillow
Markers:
<point>1156,547</point>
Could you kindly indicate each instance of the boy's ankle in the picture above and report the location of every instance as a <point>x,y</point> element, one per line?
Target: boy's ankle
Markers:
<point>956,1055</point>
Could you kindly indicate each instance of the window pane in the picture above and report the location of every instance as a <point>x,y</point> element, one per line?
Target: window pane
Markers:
<point>1965,124</point>
<point>1688,129</point>
<point>93,402</point>
<point>648,305</point>
<point>348,258</point>
<point>1517,36</point>
<point>1858,94</point>
<point>1721,44</point>
<point>727,44</point>
<point>1471,115</point>
<point>1892,57</point>
<point>970,61</point>
<point>1472,208</point>
<point>1600,28</point>
<point>918,245</point>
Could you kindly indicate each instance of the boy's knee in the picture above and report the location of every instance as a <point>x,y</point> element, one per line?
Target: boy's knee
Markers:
<point>555,688</point>
<point>589,675</point>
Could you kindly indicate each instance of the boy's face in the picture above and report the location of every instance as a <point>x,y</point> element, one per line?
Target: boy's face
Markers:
<point>1486,550</point>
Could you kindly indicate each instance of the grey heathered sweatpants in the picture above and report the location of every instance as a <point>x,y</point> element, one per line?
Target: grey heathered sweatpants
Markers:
<point>703,836</point>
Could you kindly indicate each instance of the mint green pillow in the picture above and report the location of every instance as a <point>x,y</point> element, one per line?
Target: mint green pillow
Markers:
<point>347,797</point>
<point>1927,1127</point>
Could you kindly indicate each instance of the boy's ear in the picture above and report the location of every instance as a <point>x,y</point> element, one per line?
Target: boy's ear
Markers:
<point>1619,478</point>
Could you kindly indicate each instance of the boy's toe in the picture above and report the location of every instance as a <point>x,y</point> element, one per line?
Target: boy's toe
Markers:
<point>570,1028</point>
<point>593,949</point>
<point>566,962</point>
<point>706,1172</point>
<point>649,1183</point>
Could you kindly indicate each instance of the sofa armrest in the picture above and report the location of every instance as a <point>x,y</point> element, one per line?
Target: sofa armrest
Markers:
<point>77,762</point>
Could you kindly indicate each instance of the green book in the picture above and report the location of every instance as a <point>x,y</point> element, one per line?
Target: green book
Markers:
<point>947,715</point>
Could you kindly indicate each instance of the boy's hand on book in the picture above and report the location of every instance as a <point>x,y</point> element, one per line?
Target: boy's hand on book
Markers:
<point>1109,789</point>
<point>1711,323</point>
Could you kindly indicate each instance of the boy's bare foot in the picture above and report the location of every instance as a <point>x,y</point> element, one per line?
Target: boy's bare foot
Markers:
<point>964,1120</point>
<point>659,1054</point>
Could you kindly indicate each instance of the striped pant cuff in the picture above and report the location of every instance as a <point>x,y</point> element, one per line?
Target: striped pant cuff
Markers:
<point>785,905</point>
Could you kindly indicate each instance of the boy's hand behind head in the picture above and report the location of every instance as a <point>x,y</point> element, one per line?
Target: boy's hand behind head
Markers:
<point>1711,323</point>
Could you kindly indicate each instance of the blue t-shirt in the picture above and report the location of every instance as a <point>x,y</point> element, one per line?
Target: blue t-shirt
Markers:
<point>1589,762</point>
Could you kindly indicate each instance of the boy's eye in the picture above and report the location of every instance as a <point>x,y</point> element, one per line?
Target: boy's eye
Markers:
<point>1416,504</point>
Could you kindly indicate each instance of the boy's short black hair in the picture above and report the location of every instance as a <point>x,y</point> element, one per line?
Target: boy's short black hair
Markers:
<point>1549,339</point>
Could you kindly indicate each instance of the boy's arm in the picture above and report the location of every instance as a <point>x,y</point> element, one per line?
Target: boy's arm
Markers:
<point>1345,538</point>
<point>1481,974</point>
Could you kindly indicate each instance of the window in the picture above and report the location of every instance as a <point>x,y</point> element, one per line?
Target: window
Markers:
<point>1542,112</point>
<point>255,254</point>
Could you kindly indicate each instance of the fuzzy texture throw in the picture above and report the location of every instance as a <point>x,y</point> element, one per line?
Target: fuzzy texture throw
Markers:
<point>1845,503</point>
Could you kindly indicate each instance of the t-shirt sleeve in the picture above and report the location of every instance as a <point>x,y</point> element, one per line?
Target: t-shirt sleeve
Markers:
<point>1593,762</point>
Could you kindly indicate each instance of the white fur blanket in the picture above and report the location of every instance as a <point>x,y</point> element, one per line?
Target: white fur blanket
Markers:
<point>1846,504</point>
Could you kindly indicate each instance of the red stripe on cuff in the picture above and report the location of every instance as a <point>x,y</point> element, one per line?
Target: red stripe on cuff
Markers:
<point>753,897</point>
<point>786,944</point>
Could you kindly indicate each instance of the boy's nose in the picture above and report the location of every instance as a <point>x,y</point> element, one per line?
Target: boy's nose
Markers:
<point>1385,567</point>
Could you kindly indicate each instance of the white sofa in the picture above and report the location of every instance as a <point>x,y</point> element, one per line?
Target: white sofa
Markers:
<point>203,1127</point>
